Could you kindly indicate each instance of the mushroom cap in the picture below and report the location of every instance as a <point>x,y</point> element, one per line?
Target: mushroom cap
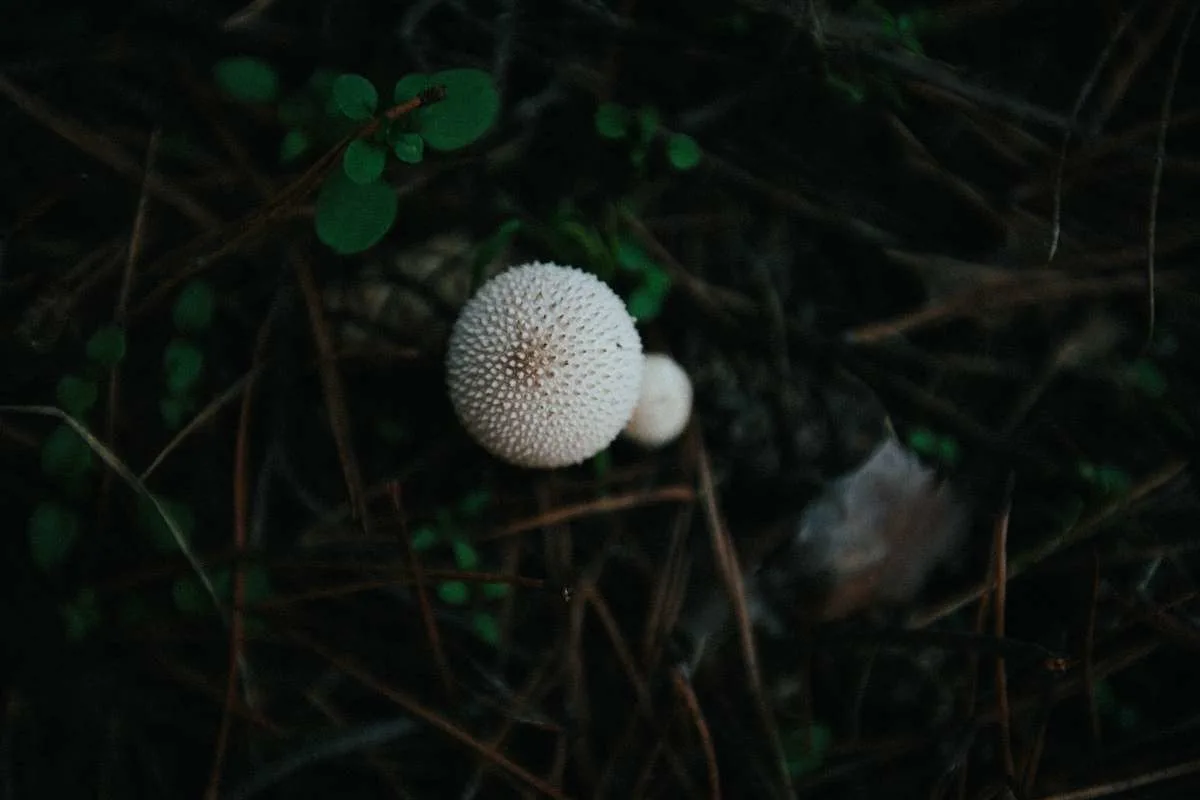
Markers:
<point>664,404</point>
<point>544,365</point>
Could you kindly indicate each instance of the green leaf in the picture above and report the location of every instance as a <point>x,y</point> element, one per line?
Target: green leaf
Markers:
<point>1147,377</point>
<point>409,148</point>
<point>107,346</point>
<point>632,258</point>
<point>352,217</point>
<point>175,409</point>
<point>363,161</point>
<point>454,593</point>
<point>409,87</point>
<point>682,151</point>
<point>466,556</point>
<point>469,108</point>
<point>612,121</point>
<point>646,301</point>
<point>947,450</point>
<point>424,538</point>
<point>486,628</point>
<point>151,522</point>
<point>76,395</point>
<point>183,362</point>
<point>648,123</point>
<point>65,454</point>
<point>354,97</point>
<point>495,591</point>
<point>194,307</point>
<point>53,529</point>
<point>81,615</point>
<point>805,751</point>
<point>474,503</point>
<point>250,80</point>
<point>295,144</point>
<point>922,441</point>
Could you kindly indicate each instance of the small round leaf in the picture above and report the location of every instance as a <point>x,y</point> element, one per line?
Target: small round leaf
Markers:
<point>355,97</point>
<point>409,87</point>
<point>352,217</point>
<point>295,144</point>
<point>682,151</point>
<point>486,628</point>
<point>409,148</point>
<point>194,307</point>
<point>107,346</point>
<point>53,529</point>
<point>182,362</point>
<point>363,161</point>
<point>175,409</point>
<point>495,591</point>
<point>424,538</point>
<point>466,112</point>
<point>65,454</point>
<point>76,395</point>
<point>465,555</point>
<point>454,593</point>
<point>250,80</point>
<point>612,121</point>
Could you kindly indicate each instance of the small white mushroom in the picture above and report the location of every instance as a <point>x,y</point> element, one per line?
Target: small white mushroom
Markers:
<point>664,405</point>
<point>544,365</point>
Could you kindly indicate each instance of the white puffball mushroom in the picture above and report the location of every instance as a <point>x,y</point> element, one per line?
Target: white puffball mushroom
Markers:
<point>544,365</point>
<point>664,405</point>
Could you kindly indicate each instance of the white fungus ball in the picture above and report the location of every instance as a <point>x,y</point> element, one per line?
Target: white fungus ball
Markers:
<point>544,365</point>
<point>664,404</point>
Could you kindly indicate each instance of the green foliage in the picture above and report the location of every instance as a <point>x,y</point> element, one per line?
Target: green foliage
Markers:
<point>352,217</point>
<point>53,529</point>
<point>1147,378</point>
<point>424,538</point>
<point>465,556</point>
<point>408,147</point>
<point>174,409</point>
<point>363,161</point>
<point>495,591</point>
<point>65,454</point>
<point>454,593</point>
<point>643,126</point>
<point>468,110</point>
<point>646,300</point>
<point>805,750</point>
<point>76,395</point>
<point>682,151</point>
<point>182,362</point>
<point>612,121</point>
<point>248,79</point>
<point>106,347</point>
<point>1109,479</point>
<point>354,97</point>
<point>355,209</point>
<point>938,447</point>
<point>295,144</point>
<point>194,307</point>
<point>486,628</point>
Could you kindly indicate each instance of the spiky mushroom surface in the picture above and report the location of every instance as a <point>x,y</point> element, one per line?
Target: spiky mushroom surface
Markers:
<point>544,365</point>
<point>664,404</point>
